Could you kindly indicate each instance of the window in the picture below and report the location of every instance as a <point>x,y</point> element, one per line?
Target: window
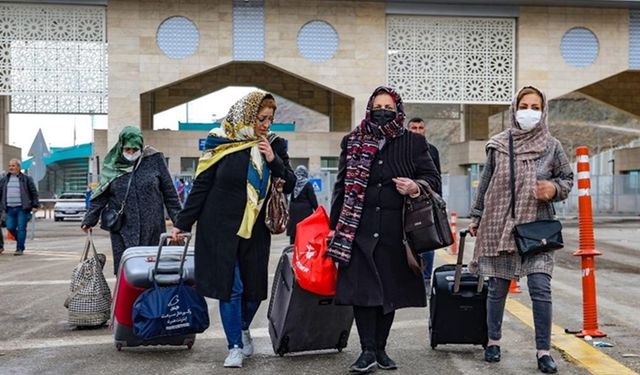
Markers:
<point>632,182</point>
<point>188,165</point>
<point>328,163</point>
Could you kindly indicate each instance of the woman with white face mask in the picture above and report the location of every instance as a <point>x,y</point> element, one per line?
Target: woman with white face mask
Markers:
<point>150,192</point>
<point>542,176</point>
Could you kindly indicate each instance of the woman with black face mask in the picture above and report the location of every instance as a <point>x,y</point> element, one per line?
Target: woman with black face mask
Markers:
<point>379,164</point>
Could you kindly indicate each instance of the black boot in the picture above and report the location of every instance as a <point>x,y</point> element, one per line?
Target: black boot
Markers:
<point>492,353</point>
<point>365,363</point>
<point>547,365</point>
<point>384,362</point>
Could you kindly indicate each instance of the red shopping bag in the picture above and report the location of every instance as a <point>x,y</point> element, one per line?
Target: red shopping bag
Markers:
<point>315,272</point>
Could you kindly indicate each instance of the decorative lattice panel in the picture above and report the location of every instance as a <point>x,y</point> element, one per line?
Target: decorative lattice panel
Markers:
<point>451,59</point>
<point>53,59</point>
<point>579,47</point>
<point>317,41</point>
<point>634,39</point>
<point>178,37</point>
<point>248,30</point>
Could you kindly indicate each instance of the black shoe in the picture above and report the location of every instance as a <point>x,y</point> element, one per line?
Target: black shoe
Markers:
<point>547,365</point>
<point>18,252</point>
<point>492,353</point>
<point>365,363</point>
<point>384,362</point>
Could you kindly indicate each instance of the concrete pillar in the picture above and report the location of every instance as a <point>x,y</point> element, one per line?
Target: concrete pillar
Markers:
<point>6,152</point>
<point>4,119</point>
<point>476,122</point>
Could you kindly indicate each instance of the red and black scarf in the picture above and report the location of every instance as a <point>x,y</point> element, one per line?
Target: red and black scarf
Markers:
<point>363,144</point>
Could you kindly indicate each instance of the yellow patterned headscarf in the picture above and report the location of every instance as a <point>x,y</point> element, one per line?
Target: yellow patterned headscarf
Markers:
<point>237,133</point>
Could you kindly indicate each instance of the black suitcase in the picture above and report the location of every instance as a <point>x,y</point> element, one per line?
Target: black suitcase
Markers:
<point>458,304</point>
<point>302,321</point>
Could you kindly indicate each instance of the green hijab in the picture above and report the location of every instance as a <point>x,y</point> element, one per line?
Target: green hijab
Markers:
<point>115,164</point>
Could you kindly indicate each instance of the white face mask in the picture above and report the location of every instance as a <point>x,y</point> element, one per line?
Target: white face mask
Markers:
<point>528,118</point>
<point>132,157</point>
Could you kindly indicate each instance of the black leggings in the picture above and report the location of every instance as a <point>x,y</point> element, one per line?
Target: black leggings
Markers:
<point>373,326</point>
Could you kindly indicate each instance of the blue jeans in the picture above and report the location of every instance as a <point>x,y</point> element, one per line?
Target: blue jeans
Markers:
<point>237,313</point>
<point>17,220</point>
<point>428,265</point>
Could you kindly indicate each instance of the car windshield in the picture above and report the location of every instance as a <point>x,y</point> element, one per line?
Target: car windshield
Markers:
<point>72,196</point>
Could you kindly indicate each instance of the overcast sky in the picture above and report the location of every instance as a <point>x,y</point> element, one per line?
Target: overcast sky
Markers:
<point>58,130</point>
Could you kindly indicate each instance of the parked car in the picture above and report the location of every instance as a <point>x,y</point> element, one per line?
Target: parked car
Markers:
<point>69,206</point>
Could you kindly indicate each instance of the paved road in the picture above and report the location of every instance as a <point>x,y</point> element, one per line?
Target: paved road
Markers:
<point>35,338</point>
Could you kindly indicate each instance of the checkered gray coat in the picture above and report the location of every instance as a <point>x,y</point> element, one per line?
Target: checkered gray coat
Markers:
<point>553,166</point>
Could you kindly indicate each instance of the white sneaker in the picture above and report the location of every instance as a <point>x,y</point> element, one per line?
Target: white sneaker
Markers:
<point>247,343</point>
<point>234,359</point>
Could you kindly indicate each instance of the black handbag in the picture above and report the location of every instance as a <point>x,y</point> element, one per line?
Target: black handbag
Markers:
<point>112,219</point>
<point>536,236</point>
<point>425,221</point>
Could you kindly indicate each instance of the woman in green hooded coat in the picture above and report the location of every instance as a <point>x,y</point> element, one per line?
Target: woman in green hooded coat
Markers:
<point>150,192</point>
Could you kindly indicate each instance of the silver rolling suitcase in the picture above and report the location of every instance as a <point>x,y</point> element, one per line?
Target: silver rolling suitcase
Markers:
<point>135,276</point>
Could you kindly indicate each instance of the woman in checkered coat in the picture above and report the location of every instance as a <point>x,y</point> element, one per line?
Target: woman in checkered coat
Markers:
<point>542,176</point>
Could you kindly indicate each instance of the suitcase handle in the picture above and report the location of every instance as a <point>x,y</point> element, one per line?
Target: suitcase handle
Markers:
<point>163,239</point>
<point>458,274</point>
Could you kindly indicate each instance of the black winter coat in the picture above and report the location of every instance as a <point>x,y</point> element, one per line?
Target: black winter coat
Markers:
<point>217,202</point>
<point>300,207</point>
<point>151,191</point>
<point>378,273</point>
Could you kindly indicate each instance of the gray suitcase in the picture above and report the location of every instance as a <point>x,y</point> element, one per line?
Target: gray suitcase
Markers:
<point>302,321</point>
<point>135,276</point>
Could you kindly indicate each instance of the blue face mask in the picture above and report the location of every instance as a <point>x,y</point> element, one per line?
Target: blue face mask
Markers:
<point>382,117</point>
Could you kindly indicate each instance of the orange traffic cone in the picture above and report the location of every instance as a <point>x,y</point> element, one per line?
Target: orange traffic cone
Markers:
<point>514,287</point>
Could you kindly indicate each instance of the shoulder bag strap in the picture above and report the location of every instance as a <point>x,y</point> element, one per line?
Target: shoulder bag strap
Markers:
<point>124,201</point>
<point>512,177</point>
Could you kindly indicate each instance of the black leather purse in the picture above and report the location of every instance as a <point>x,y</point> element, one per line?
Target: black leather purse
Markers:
<point>112,219</point>
<point>536,236</point>
<point>425,221</point>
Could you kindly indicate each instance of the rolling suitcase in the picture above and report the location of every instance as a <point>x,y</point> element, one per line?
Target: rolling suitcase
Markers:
<point>458,304</point>
<point>135,275</point>
<point>300,320</point>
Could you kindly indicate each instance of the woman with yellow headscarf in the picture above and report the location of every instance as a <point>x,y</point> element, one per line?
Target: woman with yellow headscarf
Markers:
<point>232,246</point>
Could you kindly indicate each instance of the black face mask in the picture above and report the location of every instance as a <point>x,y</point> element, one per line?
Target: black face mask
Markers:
<point>382,116</point>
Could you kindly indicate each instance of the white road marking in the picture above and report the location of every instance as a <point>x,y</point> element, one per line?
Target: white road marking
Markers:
<point>104,339</point>
<point>41,282</point>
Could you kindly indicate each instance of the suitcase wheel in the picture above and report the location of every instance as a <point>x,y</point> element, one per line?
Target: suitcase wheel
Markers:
<point>284,346</point>
<point>433,347</point>
<point>119,346</point>
<point>189,346</point>
<point>342,341</point>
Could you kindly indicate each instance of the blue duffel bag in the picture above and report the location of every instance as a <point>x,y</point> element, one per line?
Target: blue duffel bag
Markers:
<point>169,310</point>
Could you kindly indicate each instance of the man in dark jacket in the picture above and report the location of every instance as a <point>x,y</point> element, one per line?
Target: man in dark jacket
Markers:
<point>416,125</point>
<point>18,198</point>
